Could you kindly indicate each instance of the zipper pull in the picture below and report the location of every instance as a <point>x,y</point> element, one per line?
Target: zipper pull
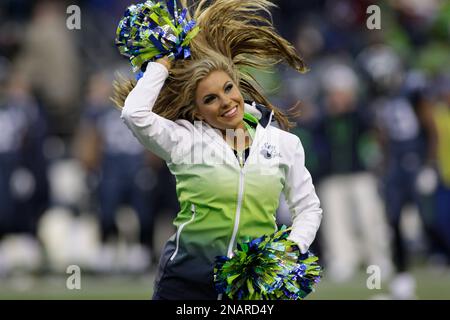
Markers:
<point>241,158</point>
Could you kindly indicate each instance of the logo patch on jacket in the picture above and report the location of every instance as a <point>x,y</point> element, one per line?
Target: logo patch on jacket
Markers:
<point>269,151</point>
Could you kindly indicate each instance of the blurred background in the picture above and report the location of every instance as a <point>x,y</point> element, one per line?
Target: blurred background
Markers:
<point>76,188</point>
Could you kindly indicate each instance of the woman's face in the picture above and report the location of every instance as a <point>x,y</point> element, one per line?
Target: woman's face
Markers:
<point>219,101</point>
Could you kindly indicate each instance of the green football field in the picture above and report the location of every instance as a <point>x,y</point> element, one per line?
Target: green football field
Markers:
<point>431,284</point>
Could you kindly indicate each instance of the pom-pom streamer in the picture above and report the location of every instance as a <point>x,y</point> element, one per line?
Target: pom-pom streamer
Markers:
<point>151,30</point>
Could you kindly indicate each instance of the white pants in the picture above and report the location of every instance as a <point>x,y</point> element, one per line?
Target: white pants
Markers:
<point>354,229</point>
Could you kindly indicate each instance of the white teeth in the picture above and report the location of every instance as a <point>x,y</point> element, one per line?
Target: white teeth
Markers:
<point>231,112</point>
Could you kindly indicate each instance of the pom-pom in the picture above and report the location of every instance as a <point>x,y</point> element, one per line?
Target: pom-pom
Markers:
<point>267,268</point>
<point>152,30</point>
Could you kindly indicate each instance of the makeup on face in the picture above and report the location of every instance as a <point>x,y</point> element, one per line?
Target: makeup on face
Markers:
<point>219,101</point>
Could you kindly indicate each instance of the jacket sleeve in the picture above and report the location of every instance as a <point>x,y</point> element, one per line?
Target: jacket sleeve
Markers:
<point>156,133</point>
<point>302,200</point>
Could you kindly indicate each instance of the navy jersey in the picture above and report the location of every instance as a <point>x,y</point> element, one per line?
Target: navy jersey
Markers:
<point>14,122</point>
<point>343,136</point>
<point>116,137</point>
<point>406,141</point>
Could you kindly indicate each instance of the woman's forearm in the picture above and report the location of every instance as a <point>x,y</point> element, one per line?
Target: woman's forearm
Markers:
<point>142,98</point>
<point>156,133</point>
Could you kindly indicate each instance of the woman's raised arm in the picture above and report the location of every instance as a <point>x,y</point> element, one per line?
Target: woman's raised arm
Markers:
<point>156,133</point>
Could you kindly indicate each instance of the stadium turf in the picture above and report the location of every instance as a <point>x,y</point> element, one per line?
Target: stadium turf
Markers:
<point>431,284</point>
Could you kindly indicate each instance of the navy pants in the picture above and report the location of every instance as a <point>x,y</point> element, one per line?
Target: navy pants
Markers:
<point>400,189</point>
<point>183,279</point>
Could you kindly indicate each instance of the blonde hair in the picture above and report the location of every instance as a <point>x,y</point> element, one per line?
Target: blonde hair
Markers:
<point>234,36</point>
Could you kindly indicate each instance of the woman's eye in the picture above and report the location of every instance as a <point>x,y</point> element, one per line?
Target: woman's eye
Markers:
<point>208,100</point>
<point>228,88</point>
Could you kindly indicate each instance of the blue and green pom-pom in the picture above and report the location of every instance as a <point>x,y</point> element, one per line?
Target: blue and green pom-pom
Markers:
<point>267,268</point>
<point>152,30</point>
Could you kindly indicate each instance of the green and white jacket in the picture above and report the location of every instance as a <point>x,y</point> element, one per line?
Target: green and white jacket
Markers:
<point>222,201</point>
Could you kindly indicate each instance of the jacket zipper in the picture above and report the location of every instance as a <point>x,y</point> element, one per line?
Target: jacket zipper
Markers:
<point>238,213</point>
<point>241,156</point>
<point>181,229</point>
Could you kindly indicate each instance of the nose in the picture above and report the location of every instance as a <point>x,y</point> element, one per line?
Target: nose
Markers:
<point>226,101</point>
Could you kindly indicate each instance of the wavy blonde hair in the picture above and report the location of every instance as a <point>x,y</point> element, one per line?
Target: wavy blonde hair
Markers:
<point>235,35</point>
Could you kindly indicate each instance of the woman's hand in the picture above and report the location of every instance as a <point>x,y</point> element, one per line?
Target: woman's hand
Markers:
<point>165,62</point>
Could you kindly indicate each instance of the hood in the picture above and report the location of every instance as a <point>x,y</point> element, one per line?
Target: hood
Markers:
<point>261,112</point>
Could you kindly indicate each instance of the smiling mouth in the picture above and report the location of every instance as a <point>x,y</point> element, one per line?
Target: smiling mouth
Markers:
<point>230,113</point>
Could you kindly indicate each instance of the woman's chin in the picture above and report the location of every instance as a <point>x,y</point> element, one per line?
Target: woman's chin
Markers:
<point>227,124</point>
<point>233,123</point>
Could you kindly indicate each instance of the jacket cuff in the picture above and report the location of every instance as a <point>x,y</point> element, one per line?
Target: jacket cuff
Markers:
<point>301,245</point>
<point>155,67</point>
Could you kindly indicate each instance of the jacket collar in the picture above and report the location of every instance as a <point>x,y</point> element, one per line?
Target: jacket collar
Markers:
<point>262,113</point>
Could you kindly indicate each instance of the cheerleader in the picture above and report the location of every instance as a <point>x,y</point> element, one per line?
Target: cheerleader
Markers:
<point>206,118</point>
